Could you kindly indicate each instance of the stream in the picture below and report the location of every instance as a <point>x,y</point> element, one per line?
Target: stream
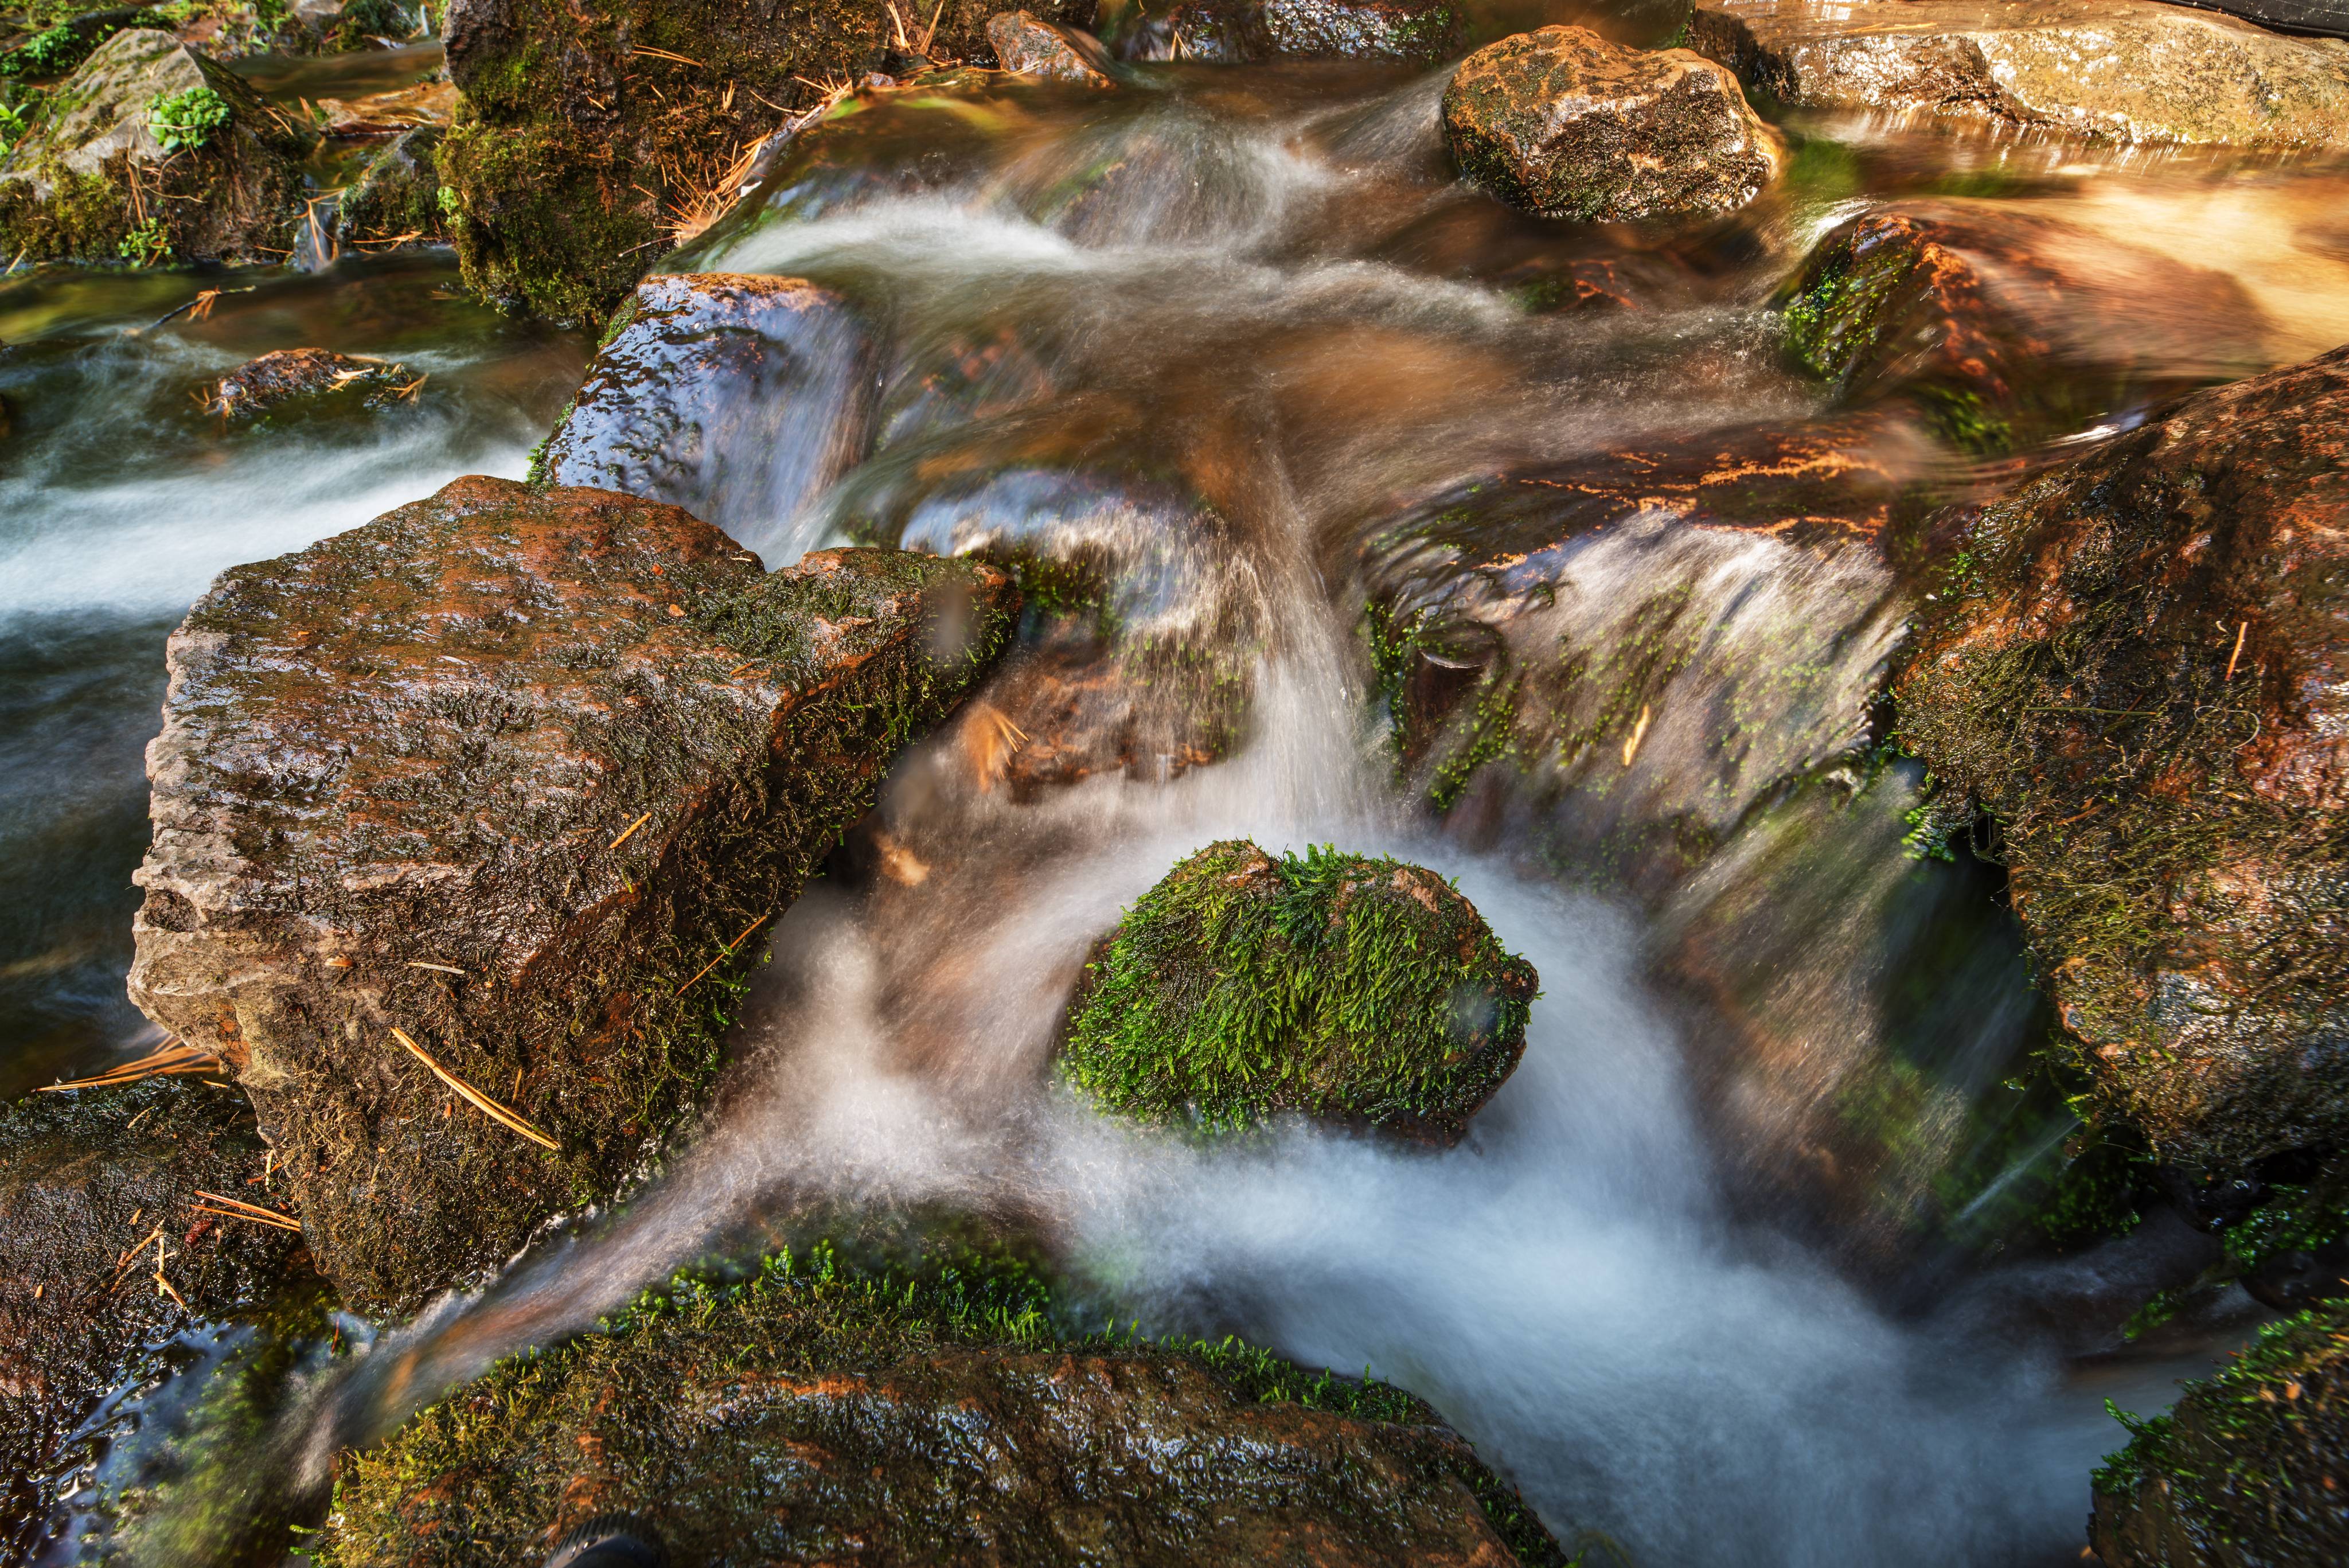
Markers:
<point>1211,333</point>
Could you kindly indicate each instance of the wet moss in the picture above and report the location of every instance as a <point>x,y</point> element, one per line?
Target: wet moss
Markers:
<point>1364,991</point>
<point>798,1408</point>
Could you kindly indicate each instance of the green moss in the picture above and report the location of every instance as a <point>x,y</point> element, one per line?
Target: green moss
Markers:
<point>1241,986</point>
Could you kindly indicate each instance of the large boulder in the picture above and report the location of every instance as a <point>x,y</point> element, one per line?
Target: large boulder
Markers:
<point>2136,662</point>
<point>2246,1470</point>
<point>2010,328</point>
<point>91,1181</point>
<point>2114,70</point>
<point>507,779</point>
<point>1419,32</point>
<point>1046,51</point>
<point>1565,124</point>
<point>93,179</point>
<point>1614,658</point>
<point>1361,991</point>
<point>585,133</point>
<point>738,398</point>
<point>816,1415</point>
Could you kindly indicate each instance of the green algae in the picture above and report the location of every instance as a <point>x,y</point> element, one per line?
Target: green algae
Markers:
<point>1240,987</point>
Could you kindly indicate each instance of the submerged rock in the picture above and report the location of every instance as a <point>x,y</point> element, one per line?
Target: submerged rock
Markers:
<point>2136,665</point>
<point>1029,47</point>
<point>516,775</point>
<point>1361,991</point>
<point>737,396</point>
<point>2246,1470</point>
<point>312,378</point>
<point>1615,658</point>
<point>813,1415</point>
<point>583,136</point>
<point>2118,70</point>
<point>90,1181</point>
<point>1565,124</point>
<point>216,170</point>
<point>2009,327</point>
<point>1416,31</point>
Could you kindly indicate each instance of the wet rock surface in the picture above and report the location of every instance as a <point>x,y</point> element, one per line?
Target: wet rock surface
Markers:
<point>1621,654</point>
<point>2246,1470</point>
<point>1563,124</point>
<point>397,198</point>
<point>810,1415</point>
<point>90,1180</point>
<point>1418,32</point>
<point>517,774</point>
<point>2118,70</point>
<point>582,134</point>
<point>65,186</point>
<point>738,398</point>
<point>2135,664</point>
<point>1360,991</point>
<point>1029,47</point>
<point>2008,328</point>
<point>306,379</point>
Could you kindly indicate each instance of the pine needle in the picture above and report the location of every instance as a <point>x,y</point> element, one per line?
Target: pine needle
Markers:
<point>481,1101</point>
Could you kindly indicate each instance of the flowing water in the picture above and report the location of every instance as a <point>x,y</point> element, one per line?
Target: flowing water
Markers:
<point>1722,1274</point>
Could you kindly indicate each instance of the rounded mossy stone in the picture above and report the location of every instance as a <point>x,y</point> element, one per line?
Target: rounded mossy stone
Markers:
<point>1365,991</point>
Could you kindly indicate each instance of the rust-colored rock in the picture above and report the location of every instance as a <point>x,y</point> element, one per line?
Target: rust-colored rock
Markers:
<point>312,376</point>
<point>1031,47</point>
<point>2114,70</point>
<point>508,770</point>
<point>2137,664</point>
<point>737,396</point>
<point>2010,328</point>
<point>1563,123</point>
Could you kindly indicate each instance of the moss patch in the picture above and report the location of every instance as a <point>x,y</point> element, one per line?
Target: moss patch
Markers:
<point>1364,990</point>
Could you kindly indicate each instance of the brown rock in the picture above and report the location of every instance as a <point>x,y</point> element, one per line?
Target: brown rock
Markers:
<point>2114,70</point>
<point>1419,32</point>
<point>91,1179</point>
<point>259,388</point>
<point>1029,47</point>
<point>2137,665</point>
<point>506,772</point>
<point>1562,124</point>
<point>738,398</point>
<point>2010,328</point>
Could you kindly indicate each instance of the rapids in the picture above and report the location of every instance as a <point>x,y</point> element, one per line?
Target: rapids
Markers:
<point>1212,333</point>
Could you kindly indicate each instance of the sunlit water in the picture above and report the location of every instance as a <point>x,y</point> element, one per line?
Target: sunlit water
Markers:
<point>1214,331</point>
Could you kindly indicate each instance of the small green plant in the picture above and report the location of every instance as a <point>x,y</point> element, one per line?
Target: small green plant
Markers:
<point>45,53</point>
<point>146,246</point>
<point>185,121</point>
<point>447,200</point>
<point>12,127</point>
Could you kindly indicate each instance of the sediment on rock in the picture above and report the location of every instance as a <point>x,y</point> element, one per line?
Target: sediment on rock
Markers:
<point>2113,70</point>
<point>738,398</point>
<point>2007,328</point>
<point>1361,991</point>
<point>99,1193</point>
<point>588,137</point>
<point>2133,663</point>
<point>518,776</point>
<point>94,178</point>
<point>1566,125</point>
<point>815,1411</point>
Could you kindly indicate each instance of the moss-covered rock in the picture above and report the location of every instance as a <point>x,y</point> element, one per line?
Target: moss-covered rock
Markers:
<point>1047,52</point>
<point>306,379</point>
<point>740,397</point>
<point>397,198</point>
<point>2118,70</point>
<point>2136,664</point>
<point>1362,992</point>
<point>1415,31</point>
<point>1563,123</point>
<point>151,152</point>
<point>2007,328</point>
<point>90,1181</point>
<point>515,775</point>
<point>586,131</point>
<point>2250,1470</point>
<point>812,1414</point>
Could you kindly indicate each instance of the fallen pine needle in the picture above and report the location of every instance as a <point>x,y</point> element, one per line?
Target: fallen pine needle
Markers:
<point>724,954</point>
<point>474,1098</point>
<point>2241,632</point>
<point>239,1214</point>
<point>628,830</point>
<point>436,968</point>
<point>669,55</point>
<point>1639,733</point>
<point>176,1057</point>
<point>253,1209</point>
